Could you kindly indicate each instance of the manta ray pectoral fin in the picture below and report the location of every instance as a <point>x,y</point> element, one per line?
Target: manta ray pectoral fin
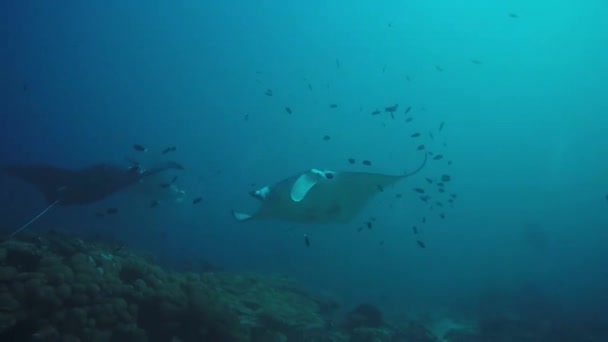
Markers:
<point>241,216</point>
<point>305,182</point>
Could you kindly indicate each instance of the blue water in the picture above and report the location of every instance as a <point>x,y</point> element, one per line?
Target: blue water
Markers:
<point>519,85</point>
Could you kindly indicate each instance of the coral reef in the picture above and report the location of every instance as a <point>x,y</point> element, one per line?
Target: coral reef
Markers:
<point>55,288</point>
<point>59,288</point>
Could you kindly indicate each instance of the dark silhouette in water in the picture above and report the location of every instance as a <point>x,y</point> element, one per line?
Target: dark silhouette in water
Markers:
<point>62,186</point>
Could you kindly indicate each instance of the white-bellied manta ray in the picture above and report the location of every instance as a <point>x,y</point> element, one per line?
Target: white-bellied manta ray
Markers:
<point>65,187</point>
<point>320,196</point>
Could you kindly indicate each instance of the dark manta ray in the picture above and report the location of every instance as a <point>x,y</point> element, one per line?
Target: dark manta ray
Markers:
<point>61,186</point>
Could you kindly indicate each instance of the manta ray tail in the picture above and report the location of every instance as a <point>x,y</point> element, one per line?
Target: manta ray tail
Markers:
<point>34,219</point>
<point>426,156</point>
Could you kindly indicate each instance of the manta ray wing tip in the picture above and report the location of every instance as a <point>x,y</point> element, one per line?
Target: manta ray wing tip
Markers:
<point>240,216</point>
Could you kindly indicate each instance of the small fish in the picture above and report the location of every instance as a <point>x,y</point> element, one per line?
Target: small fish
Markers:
<point>139,148</point>
<point>383,69</point>
<point>451,200</point>
<point>306,240</point>
<point>246,117</point>
<point>440,184</point>
<point>288,110</point>
<point>419,190</point>
<point>393,116</point>
<point>169,149</point>
<point>428,180</point>
<point>329,176</point>
<point>99,215</point>
<point>442,215</point>
<point>415,229</point>
<point>380,188</point>
<point>439,204</point>
<point>376,112</point>
<point>423,219</point>
<point>326,138</point>
<point>513,15</point>
<point>441,126</point>
<point>381,243</point>
<point>197,200</point>
<point>351,160</point>
<point>368,224</point>
<point>359,229</point>
<point>442,190</point>
<point>415,135</point>
<point>391,109</point>
<point>398,196</point>
<point>420,244</point>
<point>373,219</point>
<point>449,162</point>
<point>165,185</point>
<point>606,197</point>
<point>268,92</point>
<point>446,178</point>
<point>154,204</point>
<point>111,211</point>
<point>409,119</point>
<point>476,62</point>
<point>438,68</point>
<point>431,135</point>
<point>366,163</point>
<point>174,179</point>
<point>425,199</point>
<point>407,110</point>
<point>333,106</point>
<point>438,157</point>
<point>420,147</point>
<point>309,86</point>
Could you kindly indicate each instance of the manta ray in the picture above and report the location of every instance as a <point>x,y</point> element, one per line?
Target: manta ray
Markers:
<point>74,187</point>
<point>320,196</point>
